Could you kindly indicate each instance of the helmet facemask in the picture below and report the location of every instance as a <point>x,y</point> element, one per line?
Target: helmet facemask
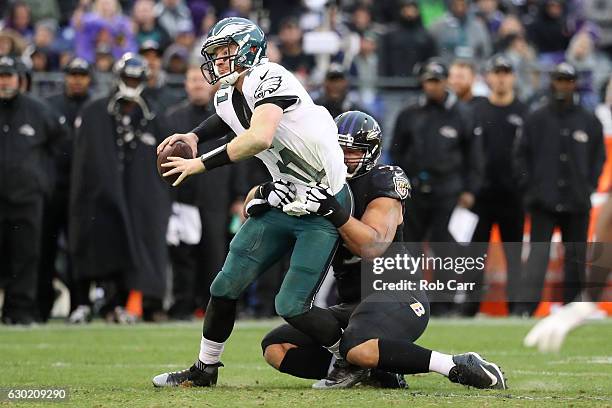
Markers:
<point>371,151</point>
<point>209,68</point>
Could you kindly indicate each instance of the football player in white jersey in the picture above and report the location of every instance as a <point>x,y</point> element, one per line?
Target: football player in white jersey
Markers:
<point>275,120</point>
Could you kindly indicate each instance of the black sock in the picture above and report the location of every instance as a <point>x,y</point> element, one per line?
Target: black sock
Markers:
<point>402,357</point>
<point>320,324</point>
<point>310,362</point>
<point>219,319</point>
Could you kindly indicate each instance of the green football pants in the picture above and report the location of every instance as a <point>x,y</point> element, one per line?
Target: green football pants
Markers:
<point>263,240</point>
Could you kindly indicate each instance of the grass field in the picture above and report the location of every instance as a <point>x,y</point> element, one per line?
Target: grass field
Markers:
<point>112,366</point>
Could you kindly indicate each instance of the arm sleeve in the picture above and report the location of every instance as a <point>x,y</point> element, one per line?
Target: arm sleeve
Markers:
<point>212,128</point>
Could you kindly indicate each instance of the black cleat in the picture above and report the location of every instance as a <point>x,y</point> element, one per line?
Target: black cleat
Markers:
<point>475,371</point>
<point>191,377</point>
<point>383,379</point>
<point>343,375</point>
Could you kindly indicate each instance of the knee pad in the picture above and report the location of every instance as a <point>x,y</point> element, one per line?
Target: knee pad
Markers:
<point>225,287</point>
<point>287,307</point>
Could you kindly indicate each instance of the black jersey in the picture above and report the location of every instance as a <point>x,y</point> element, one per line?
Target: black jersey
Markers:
<point>381,181</point>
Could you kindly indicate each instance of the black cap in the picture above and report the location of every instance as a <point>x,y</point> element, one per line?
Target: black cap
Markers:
<point>433,70</point>
<point>335,71</point>
<point>499,63</point>
<point>8,65</point>
<point>150,45</point>
<point>77,66</point>
<point>564,70</point>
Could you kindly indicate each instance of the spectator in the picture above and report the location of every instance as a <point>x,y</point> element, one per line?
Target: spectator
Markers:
<point>106,26</point>
<point>185,36</point>
<point>40,59</point>
<point>11,43</point>
<point>25,182</point>
<point>104,59</point>
<point>19,19</point>
<point>240,8</point>
<point>549,32</point>
<point>433,141</point>
<point>43,10</point>
<point>116,234</point>
<point>336,97</point>
<point>157,91</point>
<point>172,14</point>
<point>590,66</point>
<point>147,24</point>
<point>361,19</point>
<point>406,44</point>
<point>176,60</point>
<point>600,13</point>
<point>290,45</point>
<point>365,70</point>
<point>461,35</point>
<point>66,106</point>
<point>561,156</point>
<point>490,14</point>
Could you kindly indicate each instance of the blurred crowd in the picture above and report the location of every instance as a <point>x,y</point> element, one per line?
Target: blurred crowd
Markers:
<point>92,211</point>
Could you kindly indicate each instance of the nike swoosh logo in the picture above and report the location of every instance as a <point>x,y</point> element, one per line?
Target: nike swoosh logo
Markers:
<point>490,375</point>
<point>330,212</point>
<point>264,75</point>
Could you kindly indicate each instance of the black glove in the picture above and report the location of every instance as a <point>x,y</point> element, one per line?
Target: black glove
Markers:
<point>319,201</point>
<point>270,194</point>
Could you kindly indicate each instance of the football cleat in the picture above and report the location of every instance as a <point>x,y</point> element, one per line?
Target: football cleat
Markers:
<point>383,379</point>
<point>343,375</point>
<point>475,371</point>
<point>190,377</point>
<point>81,315</point>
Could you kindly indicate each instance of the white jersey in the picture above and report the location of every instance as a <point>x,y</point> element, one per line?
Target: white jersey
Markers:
<point>305,149</point>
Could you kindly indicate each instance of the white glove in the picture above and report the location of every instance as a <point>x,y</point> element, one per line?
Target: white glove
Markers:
<point>548,334</point>
<point>296,209</point>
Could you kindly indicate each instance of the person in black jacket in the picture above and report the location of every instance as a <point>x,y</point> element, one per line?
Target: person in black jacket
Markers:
<point>499,120</point>
<point>116,235</point>
<point>195,264</point>
<point>29,137</point>
<point>560,158</point>
<point>435,144</point>
<point>406,44</point>
<point>66,105</point>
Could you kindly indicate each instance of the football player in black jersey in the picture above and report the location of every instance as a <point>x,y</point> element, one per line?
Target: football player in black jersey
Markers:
<point>370,345</point>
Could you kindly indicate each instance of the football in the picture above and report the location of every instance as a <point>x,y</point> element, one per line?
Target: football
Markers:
<point>178,149</point>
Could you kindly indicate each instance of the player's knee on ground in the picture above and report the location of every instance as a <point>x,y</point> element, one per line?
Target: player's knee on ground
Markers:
<point>364,354</point>
<point>275,353</point>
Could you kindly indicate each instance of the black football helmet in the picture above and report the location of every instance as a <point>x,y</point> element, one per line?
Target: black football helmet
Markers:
<point>131,66</point>
<point>360,131</point>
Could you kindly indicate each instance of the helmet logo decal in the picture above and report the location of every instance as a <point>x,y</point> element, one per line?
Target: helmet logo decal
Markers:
<point>268,87</point>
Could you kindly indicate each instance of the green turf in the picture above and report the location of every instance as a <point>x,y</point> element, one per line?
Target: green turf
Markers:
<point>112,366</point>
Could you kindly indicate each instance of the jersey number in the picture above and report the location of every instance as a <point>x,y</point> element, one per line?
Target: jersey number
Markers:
<point>288,157</point>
